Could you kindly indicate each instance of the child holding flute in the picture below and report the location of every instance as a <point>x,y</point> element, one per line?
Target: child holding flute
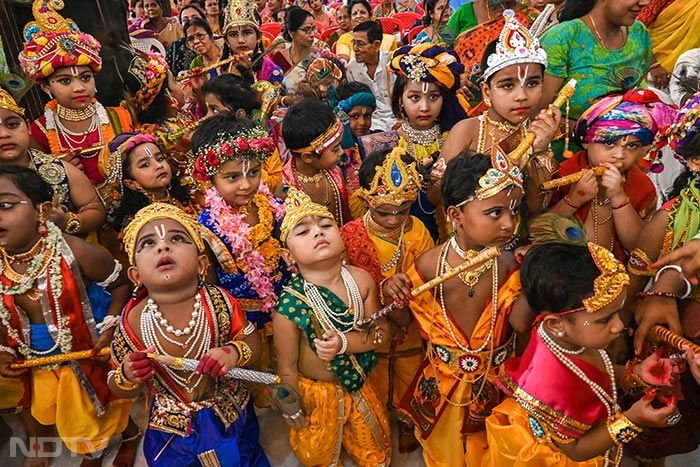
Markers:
<point>465,320</point>
<point>194,417</point>
<point>615,133</point>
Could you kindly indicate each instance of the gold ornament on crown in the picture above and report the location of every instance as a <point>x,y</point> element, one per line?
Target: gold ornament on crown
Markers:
<point>240,13</point>
<point>394,183</point>
<point>298,206</point>
<point>613,278</point>
<point>500,176</point>
<point>8,102</point>
<point>161,211</point>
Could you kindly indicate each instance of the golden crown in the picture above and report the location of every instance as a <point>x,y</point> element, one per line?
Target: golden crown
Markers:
<point>613,278</point>
<point>161,211</point>
<point>298,206</point>
<point>240,13</point>
<point>496,179</point>
<point>8,102</point>
<point>394,183</point>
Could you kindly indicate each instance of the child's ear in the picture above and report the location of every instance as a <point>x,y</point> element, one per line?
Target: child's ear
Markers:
<point>203,261</point>
<point>694,163</point>
<point>133,274</point>
<point>553,324</point>
<point>287,256</point>
<point>44,210</point>
<point>132,185</point>
<point>485,90</point>
<point>46,88</point>
<point>308,157</point>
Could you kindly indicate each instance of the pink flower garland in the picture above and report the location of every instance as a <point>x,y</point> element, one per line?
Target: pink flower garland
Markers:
<point>231,226</point>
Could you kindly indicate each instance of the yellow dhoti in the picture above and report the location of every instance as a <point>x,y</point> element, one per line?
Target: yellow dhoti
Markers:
<point>357,422</point>
<point>511,442</point>
<point>11,392</point>
<point>60,400</point>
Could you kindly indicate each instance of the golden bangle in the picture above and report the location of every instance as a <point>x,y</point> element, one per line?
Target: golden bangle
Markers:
<point>74,224</point>
<point>122,382</point>
<point>621,429</point>
<point>244,352</point>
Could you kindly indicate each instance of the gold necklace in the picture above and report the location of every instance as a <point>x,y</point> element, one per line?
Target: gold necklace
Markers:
<point>505,127</point>
<point>75,115</point>
<point>27,255</point>
<point>594,213</point>
<point>315,179</point>
<point>471,277</point>
<point>597,33</point>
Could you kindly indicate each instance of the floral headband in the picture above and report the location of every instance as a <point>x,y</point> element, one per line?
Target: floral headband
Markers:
<point>254,144</point>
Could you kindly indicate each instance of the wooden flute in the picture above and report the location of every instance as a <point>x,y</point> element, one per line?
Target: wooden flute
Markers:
<point>575,177</point>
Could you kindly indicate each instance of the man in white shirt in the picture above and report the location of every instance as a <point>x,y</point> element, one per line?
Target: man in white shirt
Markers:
<point>369,67</point>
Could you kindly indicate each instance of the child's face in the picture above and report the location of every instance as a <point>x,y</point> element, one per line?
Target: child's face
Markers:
<point>242,39</point>
<point>323,86</point>
<point>314,239</point>
<point>18,218</point>
<point>149,167</point>
<point>166,255</point>
<point>72,86</point>
<point>138,10</point>
<point>14,136</point>
<point>626,151</point>
<point>515,91</point>
<point>237,181</point>
<point>390,217</point>
<point>214,105</point>
<point>422,103</point>
<point>360,120</point>
<point>490,222</point>
<point>329,157</point>
<point>595,330</point>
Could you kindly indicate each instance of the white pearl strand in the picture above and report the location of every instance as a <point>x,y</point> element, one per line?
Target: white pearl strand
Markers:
<point>73,138</point>
<point>329,318</point>
<point>608,400</point>
<point>152,323</point>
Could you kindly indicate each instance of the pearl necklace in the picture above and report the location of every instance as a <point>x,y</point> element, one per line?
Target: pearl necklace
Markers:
<point>75,115</point>
<point>152,326</point>
<point>337,321</point>
<point>608,400</point>
<point>471,277</point>
<point>421,137</point>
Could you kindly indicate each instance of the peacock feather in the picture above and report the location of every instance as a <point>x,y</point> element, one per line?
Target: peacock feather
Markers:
<point>555,228</point>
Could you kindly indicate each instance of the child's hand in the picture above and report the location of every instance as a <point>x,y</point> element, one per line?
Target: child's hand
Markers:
<point>614,184</point>
<point>329,347</point>
<point>73,157</point>
<point>584,190</point>
<point>137,367</point>
<point>545,127</point>
<point>643,412</point>
<point>655,370</point>
<point>693,363</point>
<point>398,288</point>
<point>6,360</point>
<point>218,361</point>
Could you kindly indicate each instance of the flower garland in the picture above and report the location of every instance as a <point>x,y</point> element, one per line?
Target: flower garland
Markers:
<point>52,249</point>
<point>105,129</point>
<point>247,243</point>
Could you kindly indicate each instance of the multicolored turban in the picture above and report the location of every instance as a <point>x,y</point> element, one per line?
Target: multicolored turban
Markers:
<point>54,42</point>
<point>428,63</point>
<point>613,117</point>
<point>687,125</point>
<point>322,68</point>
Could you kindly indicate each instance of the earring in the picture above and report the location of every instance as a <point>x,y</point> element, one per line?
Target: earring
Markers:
<point>455,224</point>
<point>135,292</point>
<point>487,101</point>
<point>202,276</point>
<point>43,231</point>
<point>560,334</point>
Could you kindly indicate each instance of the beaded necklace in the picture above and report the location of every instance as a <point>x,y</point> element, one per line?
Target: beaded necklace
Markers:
<point>330,320</point>
<point>47,261</point>
<point>471,277</point>
<point>609,401</point>
<point>56,131</point>
<point>376,229</point>
<point>595,203</point>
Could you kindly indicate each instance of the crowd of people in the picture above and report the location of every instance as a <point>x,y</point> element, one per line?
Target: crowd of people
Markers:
<point>479,228</point>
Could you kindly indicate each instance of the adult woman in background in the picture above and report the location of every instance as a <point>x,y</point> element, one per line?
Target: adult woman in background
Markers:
<point>437,14</point>
<point>200,38</point>
<point>179,56</point>
<point>213,12</point>
<point>166,29</point>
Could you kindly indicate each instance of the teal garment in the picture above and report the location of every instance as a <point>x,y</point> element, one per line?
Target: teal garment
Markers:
<point>574,52</point>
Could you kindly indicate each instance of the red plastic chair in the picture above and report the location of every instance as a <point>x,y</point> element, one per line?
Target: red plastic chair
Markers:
<point>273,28</point>
<point>414,32</point>
<point>325,35</point>
<point>390,25</point>
<point>407,18</point>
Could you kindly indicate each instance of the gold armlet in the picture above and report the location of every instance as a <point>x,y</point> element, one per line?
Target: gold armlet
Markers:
<point>621,429</point>
<point>244,352</point>
<point>74,224</point>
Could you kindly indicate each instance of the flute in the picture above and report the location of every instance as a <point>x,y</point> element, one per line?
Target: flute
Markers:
<point>87,150</point>
<point>664,335</point>
<point>481,258</point>
<point>59,358</point>
<point>190,364</point>
<point>575,177</point>
<point>564,95</point>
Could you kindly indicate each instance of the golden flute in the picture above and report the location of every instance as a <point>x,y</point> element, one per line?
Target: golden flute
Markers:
<point>664,335</point>
<point>564,95</point>
<point>575,177</point>
<point>60,358</point>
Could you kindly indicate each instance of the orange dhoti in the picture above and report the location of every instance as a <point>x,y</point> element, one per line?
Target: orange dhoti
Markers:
<point>337,419</point>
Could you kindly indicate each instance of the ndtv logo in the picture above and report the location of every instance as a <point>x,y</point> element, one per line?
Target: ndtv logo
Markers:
<point>52,446</point>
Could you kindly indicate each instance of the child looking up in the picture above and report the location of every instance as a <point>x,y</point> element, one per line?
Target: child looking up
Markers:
<point>74,120</point>
<point>319,351</point>
<point>194,418</point>
<point>385,242</point>
<point>615,133</point>
<point>563,407</point>
<point>313,134</point>
<point>465,319</point>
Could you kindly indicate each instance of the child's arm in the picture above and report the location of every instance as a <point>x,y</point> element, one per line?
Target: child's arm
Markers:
<point>85,200</point>
<point>580,193</point>
<point>628,224</point>
<point>131,373</point>
<point>521,315</point>
<point>286,335</point>
<point>241,351</point>
<point>7,357</point>
<point>598,440</point>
